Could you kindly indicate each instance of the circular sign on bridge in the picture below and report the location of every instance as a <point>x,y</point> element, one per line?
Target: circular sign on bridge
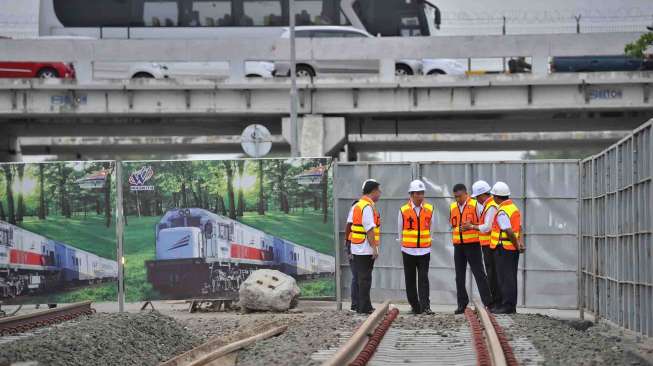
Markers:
<point>256,140</point>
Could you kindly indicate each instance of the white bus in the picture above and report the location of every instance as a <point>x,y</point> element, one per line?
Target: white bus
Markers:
<point>195,19</point>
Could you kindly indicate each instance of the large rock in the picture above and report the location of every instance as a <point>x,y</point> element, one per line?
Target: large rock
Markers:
<point>268,290</point>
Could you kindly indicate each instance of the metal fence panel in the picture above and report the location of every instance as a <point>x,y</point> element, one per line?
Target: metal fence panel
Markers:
<point>545,191</point>
<point>616,264</point>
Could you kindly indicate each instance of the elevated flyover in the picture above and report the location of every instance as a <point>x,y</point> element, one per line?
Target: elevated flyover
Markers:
<point>371,113</point>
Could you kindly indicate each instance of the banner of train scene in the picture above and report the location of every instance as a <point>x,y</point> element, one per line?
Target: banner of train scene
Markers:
<point>57,233</point>
<point>198,228</point>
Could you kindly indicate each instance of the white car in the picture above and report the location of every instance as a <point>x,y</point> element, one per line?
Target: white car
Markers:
<point>216,70</point>
<point>310,68</point>
<point>172,70</point>
<point>129,70</point>
<point>442,66</point>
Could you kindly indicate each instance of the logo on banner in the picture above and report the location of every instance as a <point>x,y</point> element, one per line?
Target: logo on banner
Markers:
<point>138,179</point>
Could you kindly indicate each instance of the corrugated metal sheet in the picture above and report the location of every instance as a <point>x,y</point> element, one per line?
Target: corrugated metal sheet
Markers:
<point>545,191</point>
<point>616,227</point>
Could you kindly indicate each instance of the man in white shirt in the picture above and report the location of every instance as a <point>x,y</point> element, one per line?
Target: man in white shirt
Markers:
<point>365,240</point>
<point>486,209</point>
<point>414,224</point>
<point>350,257</point>
<point>507,241</point>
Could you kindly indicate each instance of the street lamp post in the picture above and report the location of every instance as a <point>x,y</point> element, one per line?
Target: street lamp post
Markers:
<point>294,138</point>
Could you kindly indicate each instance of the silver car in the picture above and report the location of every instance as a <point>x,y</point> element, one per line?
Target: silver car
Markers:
<point>310,68</point>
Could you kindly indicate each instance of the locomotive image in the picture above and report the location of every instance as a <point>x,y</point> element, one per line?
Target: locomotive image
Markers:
<point>201,253</point>
<point>31,263</point>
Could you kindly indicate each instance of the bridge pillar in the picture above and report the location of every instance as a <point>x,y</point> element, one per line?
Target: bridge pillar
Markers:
<point>540,64</point>
<point>10,149</point>
<point>318,135</point>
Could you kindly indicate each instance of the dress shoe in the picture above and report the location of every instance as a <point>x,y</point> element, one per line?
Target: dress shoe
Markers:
<point>428,311</point>
<point>415,311</point>
<point>460,310</point>
<point>505,310</point>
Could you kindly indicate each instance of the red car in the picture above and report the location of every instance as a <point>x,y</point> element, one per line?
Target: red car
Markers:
<point>27,69</point>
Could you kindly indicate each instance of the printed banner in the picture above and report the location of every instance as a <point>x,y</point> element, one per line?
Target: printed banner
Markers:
<point>199,228</point>
<point>57,233</point>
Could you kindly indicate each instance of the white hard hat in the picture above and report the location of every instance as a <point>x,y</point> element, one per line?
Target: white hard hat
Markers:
<point>416,186</point>
<point>480,187</point>
<point>500,189</point>
<point>368,180</point>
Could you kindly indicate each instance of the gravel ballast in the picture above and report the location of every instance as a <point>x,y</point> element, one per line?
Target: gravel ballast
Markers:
<point>306,334</point>
<point>574,343</point>
<point>435,321</point>
<point>104,339</point>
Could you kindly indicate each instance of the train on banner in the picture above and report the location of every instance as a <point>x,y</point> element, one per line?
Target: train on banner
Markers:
<point>57,235</point>
<point>199,228</point>
<point>199,252</point>
<point>33,264</point>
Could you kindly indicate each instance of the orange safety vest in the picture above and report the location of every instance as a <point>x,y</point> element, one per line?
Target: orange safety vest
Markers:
<point>416,231</point>
<point>499,237</point>
<point>358,233</point>
<point>457,219</point>
<point>484,238</point>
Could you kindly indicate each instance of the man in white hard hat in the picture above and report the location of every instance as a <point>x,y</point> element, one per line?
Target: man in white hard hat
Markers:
<point>365,239</point>
<point>486,210</point>
<point>414,235</point>
<point>507,242</point>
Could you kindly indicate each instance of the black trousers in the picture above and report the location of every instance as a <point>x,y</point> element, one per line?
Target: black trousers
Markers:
<point>417,266</point>
<point>462,255</point>
<point>491,271</point>
<point>364,265</point>
<point>507,262</point>
<point>354,284</point>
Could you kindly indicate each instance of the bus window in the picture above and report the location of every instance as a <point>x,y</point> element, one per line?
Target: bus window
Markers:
<point>261,13</point>
<point>213,13</point>
<point>410,26</point>
<point>160,13</point>
<point>84,13</point>
<point>319,12</point>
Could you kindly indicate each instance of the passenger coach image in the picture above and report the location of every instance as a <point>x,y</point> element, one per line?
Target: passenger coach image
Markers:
<point>33,264</point>
<point>201,253</point>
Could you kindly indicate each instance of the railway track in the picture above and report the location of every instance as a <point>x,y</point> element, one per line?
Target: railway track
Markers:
<point>481,341</point>
<point>23,323</point>
<point>222,350</point>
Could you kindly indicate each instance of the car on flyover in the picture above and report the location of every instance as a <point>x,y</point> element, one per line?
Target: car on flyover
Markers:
<point>30,69</point>
<point>604,63</point>
<point>115,70</point>
<point>311,68</point>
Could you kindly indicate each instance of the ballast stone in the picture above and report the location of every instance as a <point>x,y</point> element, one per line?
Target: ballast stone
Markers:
<point>268,290</point>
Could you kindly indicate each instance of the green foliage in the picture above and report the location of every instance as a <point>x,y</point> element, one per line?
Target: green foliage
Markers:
<point>139,247</point>
<point>637,48</point>
<point>304,228</point>
<point>86,233</point>
<point>318,287</point>
<point>101,292</point>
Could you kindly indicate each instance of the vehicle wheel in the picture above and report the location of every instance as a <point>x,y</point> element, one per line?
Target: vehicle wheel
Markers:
<point>143,75</point>
<point>403,70</point>
<point>47,73</point>
<point>436,72</point>
<point>304,71</point>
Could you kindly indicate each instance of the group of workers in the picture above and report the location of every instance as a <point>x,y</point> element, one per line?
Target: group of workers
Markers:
<point>485,232</point>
